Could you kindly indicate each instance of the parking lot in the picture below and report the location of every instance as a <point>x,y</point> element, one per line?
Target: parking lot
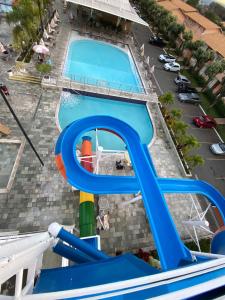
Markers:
<point>213,171</point>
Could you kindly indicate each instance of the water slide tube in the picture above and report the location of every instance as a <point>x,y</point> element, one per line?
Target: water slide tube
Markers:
<point>86,208</point>
<point>83,252</point>
<point>152,187</point>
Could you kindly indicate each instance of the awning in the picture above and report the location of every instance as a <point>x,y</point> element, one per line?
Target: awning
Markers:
<point>119,8</point>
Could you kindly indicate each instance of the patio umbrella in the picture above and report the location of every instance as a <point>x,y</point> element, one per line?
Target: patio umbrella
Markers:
<point>41,49</point>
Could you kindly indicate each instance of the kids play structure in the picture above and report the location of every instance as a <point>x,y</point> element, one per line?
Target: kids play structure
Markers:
<point>91,273</point>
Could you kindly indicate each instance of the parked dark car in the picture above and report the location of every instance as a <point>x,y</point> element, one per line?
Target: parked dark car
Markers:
<point>189,98</point>
<point>185,88</point>
<point>204,121</point>
<point>157,41</point>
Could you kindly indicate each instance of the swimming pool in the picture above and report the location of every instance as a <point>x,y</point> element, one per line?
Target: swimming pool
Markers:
<point>73,107</point>
<point>99,63</point>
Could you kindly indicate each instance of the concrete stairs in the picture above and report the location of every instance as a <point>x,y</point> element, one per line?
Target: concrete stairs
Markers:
<point>25,78</point>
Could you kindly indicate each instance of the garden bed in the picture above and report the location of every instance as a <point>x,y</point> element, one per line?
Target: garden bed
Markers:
<point>181,156</point>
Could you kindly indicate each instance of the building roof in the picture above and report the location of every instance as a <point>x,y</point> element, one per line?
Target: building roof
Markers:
<point>120,8</point>
<point>179,15</point>
<point>183,6</point>
<point>201,20</point>
<point>168,5</point>
<point>215,41</point>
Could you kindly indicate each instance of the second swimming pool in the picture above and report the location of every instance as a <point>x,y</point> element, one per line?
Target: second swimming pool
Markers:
<point>73,107</point>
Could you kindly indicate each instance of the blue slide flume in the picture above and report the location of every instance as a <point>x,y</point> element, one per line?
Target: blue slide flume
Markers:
<point>165,235</point>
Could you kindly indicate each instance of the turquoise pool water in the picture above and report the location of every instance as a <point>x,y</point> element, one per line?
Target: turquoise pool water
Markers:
<point>99,63</point>
<point>73,107</point>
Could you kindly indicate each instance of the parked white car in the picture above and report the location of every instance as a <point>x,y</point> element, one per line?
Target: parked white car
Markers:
<point>218,148</point>
<point>173,67</point>
<point>167,58</point>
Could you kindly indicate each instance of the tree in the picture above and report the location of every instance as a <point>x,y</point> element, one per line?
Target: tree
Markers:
<point>214,68</point>
<point>174,30</point>
<point>187,142</point>
<point>197,44</point>
<point>187,37</point>
<point>194,160</point>
<point>166,99</point>
<point>194,3</point>
<point>27,17</point>
<point>179,128</point>
<point>173,116</point>
<point>202,56</point>
<point>212,16</point>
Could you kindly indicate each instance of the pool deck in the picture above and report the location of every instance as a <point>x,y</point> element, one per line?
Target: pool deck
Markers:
<point>39,195</point>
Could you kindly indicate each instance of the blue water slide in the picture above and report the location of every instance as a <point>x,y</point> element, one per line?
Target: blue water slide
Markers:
<point>152,188</point>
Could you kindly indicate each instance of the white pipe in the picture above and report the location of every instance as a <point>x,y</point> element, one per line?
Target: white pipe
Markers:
<point>132,200</point>
<point>22,244</point>
<point>19,282</point>
<point>196,223</point>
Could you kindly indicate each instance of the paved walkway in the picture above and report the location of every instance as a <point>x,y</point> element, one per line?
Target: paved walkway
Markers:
<point>40,195</point>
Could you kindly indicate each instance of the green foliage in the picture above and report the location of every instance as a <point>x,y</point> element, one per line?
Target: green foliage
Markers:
<point>204,245</point>
<point>174,30</point>
<point>187,35</point>
<point>194,161</point>
<point>166,99</point>
<point>43,68</point>
<point>202,56</point>
<point>179,128</point>
<point>27,17</point>
<point>194,3</point>
<point>187,143</point>
<point>212,16</point>
<point>214,68</point>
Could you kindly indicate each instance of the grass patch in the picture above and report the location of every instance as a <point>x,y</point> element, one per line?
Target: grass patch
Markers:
<point>188,75</point>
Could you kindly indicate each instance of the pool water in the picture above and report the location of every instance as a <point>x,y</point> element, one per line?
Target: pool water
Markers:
<point>98,63</point>
<point>74,107</point>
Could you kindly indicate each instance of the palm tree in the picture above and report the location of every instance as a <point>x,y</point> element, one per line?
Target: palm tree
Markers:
<point>194,160</point>
<point>214,68</point>
<point>174,30</point>
<point>187,37</point>
<point>187,142</point>
<point>179,128</point>
<point>166,99</point>
<point>173,116</point>
<point>27,17</point>
<point>202,56</point>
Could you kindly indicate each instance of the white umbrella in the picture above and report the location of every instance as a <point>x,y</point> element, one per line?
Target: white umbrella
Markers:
<point>41,49</point>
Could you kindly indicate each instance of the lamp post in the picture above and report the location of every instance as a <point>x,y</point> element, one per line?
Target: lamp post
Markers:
<point>20,125</point>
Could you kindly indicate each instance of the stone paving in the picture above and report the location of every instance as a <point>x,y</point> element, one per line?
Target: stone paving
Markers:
<point>40,195</point>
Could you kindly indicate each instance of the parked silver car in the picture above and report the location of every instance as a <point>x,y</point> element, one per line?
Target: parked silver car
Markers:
<point>218,148</point>
<point>180,79</point>
<point>189,98</point>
